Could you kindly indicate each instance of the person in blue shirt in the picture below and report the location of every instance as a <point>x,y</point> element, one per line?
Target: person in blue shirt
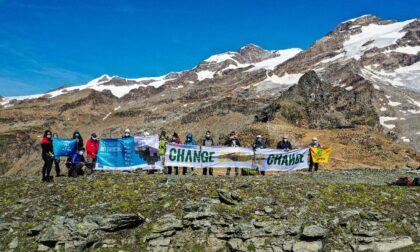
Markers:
<point>77,163</point>
<point>189,141</point>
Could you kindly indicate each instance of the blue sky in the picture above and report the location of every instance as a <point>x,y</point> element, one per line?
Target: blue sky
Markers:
<point>46,44</point>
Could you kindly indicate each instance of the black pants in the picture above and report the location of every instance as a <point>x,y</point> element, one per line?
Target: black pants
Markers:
<point>313,165</point>
<point>210,171</point>
<point>46,169</point>
<point>76,170</point>
<point>262,173</point>
<point>57,167</point>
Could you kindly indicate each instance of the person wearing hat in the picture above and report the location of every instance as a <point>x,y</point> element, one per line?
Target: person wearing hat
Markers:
<point>259,144</point>
<point>127,133</point>
<point>92,147</point>
<point>314,144</point>
<point>284,144</point>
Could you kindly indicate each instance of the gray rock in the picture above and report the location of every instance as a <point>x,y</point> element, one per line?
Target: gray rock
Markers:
<point>14,243</point>
<point>236,245</point>
<point>391,244</point>
<point>268,209</point>
<point>307,246</point>
<point>230,198</point>
<point>161,242</point>
<point>35,230</point>
<point>118,222</point>
<point>167,223</point>
<point>314,232</point>
<point>293,230</point>
<point>199,215</point>
<point>288,245</point>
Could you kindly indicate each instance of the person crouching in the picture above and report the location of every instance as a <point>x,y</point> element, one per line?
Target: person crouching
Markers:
<point>77,163</point>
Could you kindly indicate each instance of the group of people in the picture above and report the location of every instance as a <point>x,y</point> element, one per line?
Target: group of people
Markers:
<point>232,141</point>
<point>78,164</point>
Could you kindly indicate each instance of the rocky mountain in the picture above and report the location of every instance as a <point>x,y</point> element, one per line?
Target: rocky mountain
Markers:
<point>364,75</point>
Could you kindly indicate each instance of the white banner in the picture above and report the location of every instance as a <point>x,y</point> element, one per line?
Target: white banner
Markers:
<point>279,160</point>
<point>201,157</point>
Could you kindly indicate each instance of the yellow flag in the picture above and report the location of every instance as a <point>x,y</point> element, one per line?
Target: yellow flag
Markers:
<point>320,155</point>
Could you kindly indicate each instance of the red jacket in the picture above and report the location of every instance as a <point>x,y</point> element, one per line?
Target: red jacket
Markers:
<point>92,148</point>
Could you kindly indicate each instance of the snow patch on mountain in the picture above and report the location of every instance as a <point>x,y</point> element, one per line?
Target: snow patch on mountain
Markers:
<point>408,76</point>
<point>95,84</point>
<point>218,58</point>
<point>205,74</point>
<point>372,36</point>
<point>384,119</point>
<point>271,63</point>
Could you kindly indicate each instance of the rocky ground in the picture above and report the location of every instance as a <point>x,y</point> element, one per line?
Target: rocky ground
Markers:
<point>342,210</point>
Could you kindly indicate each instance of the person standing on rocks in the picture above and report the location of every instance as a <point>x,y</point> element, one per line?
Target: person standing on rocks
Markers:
<point>57,161</point>
<point>77,163</point>
<point>208,142</point>
<point>92,148</point>
<point>284,144</point>
<point>233,141</point>
<point>174,140</point>
<point>259,144</point>
<point>189,140</point>
<point>162,146</point>
<point>79,140</point>
<point>47,156</point>
<point>315,144</point>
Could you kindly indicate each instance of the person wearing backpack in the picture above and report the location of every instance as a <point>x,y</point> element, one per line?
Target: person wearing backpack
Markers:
<point>207,141</point>
<point>47,156</point>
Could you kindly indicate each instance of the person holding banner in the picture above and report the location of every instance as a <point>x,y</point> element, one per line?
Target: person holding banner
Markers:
<point>207,141</point>
<point>284,144</point>
<point>57,161</point>
<point>47,156</point>
<point>79,140</point>
<point>174,140</point>
<point>92,147</point>
<point>233,141</point>
<point>162,147</point>
<point>259,144</point>
<point>127,133</point>
<point>315,144</point>
<point>189,141</point>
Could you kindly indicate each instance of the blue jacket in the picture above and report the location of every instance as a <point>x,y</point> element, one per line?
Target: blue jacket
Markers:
<point>259,145</point>
<point>76,159</point>
<point>314,145</point>
<point>192,142</point>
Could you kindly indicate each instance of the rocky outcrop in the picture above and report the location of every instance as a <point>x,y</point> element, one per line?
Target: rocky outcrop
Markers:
<point>317,104</point>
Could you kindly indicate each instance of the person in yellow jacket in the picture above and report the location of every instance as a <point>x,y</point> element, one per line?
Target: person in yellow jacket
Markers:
<point>162,147</point>
<point>315,144</point>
